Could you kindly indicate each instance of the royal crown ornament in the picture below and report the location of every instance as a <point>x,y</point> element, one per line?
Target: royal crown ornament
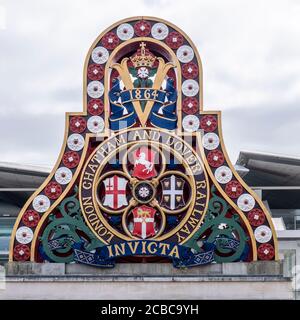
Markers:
<point>143,58</point>
<point>143,174</point>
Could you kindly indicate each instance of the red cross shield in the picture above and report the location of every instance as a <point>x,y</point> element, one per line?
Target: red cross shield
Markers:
<point>115,192</point>
<point>144,161</point>
<point>143,222</point>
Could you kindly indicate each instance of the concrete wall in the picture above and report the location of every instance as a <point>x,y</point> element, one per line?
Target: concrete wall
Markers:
<point>149,288</point>
<point>259,280</point>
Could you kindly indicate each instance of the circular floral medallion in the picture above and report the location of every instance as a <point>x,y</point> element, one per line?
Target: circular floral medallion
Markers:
<point>100,55</point>
<point>215,158</point>
<point>190,123</point>
<point>77,124</point>
<point>142,28</point>
<point>95,72</point>
<point>185,54</point>
<point>75,142</point>
<point>266,251</point>
<point>41,203</point>
<point>63,175</point>
<point>31,218</point>
<point>95,89</point>
<point>71,159</point>
<point>125,31</point>
<point>24,235</point>
<point>209,123</point>
<point>143,72</point>
<point>210,141</point>
<point>53,190</point>
<point>190,88</point>
<point>159,31</point>
<point>246,202</point>
<point>144,191</point>
<point>174,40</point>
<point>190,70</point>
<point>110,40</point>
<point>256,217</point>
<point>95,107</point>
<point>95,124</point>
<point>234,189</point>
<point>263,234</point>
<point>223,174</point>
<point>190,105</point>
<point>21,252</point>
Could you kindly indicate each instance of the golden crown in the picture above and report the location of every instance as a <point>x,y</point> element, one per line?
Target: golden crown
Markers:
<point>143,57</point>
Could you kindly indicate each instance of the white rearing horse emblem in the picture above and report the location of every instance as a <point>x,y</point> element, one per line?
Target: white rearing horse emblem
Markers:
<point>142,160</point>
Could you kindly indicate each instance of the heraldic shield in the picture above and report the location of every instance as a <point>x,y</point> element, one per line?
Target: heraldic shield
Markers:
<point>143,174</point>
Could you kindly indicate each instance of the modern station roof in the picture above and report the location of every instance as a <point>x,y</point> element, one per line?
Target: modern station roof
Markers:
<point>268,169</point>
<point>278,176</point>
<point>13,175</point>
<point>17,182</point>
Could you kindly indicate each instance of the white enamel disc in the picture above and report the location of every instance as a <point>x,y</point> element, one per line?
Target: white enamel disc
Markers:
<point>75,142</point>
<point>41,203</point>
<point>190,88</point>
<point>210,141</point>
<point>125,31</point>
<point>263,234</point>
<point>246,202</point>
<point>24,235</point>
<point>223,174</point>
<point>159,31</point>
<point>95,124</point>
<point>63,175</point>
<point>95,89</point>
<point>100,55</point>
<point>185,54</point>
<point>190,123</point>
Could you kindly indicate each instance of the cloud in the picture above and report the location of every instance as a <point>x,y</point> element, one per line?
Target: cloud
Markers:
<point>2,18</point>
<point>31,139</point>
<point>271,130</point>
<point>250,54</point>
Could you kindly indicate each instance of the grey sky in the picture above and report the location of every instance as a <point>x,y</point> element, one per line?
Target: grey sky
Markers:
<point>250,52</point>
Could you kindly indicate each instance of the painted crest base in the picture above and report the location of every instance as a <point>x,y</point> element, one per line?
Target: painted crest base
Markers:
<point>256,280</point>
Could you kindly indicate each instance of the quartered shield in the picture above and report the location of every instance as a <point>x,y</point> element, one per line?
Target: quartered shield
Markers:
<point>172,192</point>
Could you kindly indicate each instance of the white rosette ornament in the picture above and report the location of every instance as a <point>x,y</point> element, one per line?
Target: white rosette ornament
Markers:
<point>125,31</point>
<point>159,31</point>
<point>95,124</point>
<point>263,234</point>
<point>63,175</point>
<point>24,235</point>
<point>41,203</point>
<point>190,88</point>
<point>185,54</point>
<point>210,141</point>
<point>190,123</point>
<point>100,55</point>
<point>246,202</point>
<point>223,174</point>
<point>75,142</point>
<point>95,89</point>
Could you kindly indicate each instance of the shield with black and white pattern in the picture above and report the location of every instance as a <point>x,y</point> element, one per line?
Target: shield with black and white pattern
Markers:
<point>172,192</point>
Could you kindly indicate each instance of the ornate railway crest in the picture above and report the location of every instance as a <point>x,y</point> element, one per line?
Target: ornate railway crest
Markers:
<point>143,170</point>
